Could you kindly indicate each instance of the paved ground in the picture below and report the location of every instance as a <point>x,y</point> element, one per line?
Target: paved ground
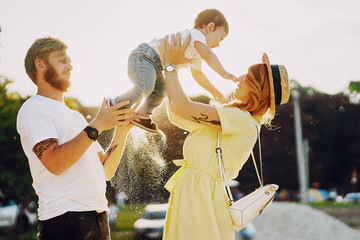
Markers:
<point>292,221</point>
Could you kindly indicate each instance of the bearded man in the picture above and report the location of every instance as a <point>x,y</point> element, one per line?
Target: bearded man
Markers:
<point>68,167</point>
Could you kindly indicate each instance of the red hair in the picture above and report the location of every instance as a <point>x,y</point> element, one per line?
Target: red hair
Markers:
<point>259,95</point>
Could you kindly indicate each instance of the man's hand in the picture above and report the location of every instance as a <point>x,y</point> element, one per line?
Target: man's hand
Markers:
<point>114,116</point>
<point>174,52</point>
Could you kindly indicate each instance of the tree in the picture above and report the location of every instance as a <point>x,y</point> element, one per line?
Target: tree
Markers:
<point>15,178</point>
<point>354,87</point>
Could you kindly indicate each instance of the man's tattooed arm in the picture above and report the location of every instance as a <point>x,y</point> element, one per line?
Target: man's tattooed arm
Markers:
<point>205,118</point>
<point>42,146</point>
<point>109,152</point>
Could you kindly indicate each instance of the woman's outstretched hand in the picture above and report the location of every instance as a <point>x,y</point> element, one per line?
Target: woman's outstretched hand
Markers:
<point>174,52</point>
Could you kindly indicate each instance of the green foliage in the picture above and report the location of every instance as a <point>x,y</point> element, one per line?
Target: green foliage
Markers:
<point>72,103</point>
<point>354,87</point>
<point>15,179</point>
<point>308,89</point>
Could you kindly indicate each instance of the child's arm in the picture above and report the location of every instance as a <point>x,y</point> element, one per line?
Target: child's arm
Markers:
<point>204,82</point>
<point>212,60</point>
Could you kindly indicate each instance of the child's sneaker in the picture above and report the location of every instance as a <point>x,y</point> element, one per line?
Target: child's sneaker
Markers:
<point>146,124</point>
<point>110,102</point>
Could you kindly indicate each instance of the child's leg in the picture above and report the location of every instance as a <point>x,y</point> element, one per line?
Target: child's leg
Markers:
<point>142,115</point>
<point>148,57</point>
<point>153,100</point>
<point>143,74</point>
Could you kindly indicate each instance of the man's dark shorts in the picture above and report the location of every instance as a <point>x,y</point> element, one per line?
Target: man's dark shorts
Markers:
<point>75,225</point>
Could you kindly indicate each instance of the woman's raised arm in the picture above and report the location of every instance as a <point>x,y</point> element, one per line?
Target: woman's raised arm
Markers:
<point>180,104</point>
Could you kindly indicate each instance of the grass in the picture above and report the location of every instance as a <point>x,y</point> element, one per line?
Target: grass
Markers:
<point>125,221</point>
<point>334,205</point>
<point>349,213</point>
<point>128,215</point>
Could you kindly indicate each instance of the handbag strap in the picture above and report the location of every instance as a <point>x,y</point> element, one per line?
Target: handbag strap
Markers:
<point>222,169</point>
<point>261,180</point>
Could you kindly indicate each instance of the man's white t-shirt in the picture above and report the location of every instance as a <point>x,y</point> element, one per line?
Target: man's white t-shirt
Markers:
<point>190,52</point>
<point>82,187</point>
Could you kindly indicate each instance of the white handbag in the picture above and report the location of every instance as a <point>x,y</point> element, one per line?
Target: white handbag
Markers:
<point>244,210</point>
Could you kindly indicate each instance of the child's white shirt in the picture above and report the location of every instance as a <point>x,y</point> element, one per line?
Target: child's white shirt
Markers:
<point>190,52</point>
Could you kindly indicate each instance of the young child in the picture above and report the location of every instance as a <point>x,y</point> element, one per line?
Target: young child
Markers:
<point>145,66</point>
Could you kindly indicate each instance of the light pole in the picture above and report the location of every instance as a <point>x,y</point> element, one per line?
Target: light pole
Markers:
<point>302,166</point>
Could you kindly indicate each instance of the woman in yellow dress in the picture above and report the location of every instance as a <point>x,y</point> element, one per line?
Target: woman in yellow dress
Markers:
<point>198,203</point>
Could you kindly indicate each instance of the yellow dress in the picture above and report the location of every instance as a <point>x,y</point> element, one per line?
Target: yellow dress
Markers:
<point>198,202</point>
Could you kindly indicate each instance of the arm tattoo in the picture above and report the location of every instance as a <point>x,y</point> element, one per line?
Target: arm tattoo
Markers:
<point>109,152</point>
<point>42,146</point>
<point>205,118</point>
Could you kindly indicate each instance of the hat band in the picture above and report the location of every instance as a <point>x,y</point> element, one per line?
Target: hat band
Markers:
<point>277,83</point>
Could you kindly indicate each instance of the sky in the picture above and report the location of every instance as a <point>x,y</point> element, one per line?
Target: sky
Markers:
<point>318,41</point>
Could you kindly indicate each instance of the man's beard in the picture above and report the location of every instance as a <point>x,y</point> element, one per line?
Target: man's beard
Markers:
<point>53,78</point>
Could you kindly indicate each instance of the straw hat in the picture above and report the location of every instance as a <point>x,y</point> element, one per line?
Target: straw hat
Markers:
<point>279,85</point>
